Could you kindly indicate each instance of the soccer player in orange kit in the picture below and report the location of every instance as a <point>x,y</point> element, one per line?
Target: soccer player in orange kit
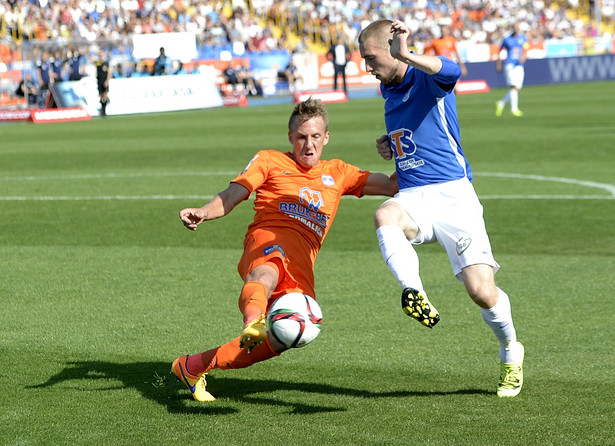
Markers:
<point>446,46</point>
<point>297,196</point>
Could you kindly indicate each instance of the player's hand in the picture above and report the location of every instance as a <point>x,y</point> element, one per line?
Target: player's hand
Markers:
<point>399,42</point>
<point>191,217</point>
<point>384,147</point>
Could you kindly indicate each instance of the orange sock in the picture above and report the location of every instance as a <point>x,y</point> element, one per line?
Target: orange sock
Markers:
<point>230,356</point>
<point>252,301</point>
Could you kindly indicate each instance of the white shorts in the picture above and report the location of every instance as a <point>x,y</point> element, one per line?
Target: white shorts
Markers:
<point>451,214</point>
<point>515,74</point>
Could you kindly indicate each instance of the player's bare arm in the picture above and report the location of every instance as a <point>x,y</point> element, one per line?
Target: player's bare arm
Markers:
<point>220,205</point>
<point>399,50</point>
<point>381,184</point>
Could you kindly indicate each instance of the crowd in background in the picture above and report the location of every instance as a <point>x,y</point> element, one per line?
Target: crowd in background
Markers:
<point>295,25</point>
<point>61,31</point>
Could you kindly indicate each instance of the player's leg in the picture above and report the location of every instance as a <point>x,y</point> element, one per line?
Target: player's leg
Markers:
<point>394,229</point>
<point>258,287</point>
<point>496,311</point>
<point>517,77</point>
<point>191,369</point>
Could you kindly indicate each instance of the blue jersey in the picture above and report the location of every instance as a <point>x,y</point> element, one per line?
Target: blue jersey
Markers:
<point>514,48</point>
<point>421,121</point>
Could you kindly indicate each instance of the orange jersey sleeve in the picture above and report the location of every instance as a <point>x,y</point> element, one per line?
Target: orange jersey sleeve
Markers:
<point>289,196</point>
<point>445,46</point>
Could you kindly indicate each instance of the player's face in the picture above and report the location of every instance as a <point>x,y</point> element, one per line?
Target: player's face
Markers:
<point>308,140</point>
<point>380,63</point>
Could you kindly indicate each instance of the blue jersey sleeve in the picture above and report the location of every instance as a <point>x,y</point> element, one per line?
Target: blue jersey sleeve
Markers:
<point>444,81</point>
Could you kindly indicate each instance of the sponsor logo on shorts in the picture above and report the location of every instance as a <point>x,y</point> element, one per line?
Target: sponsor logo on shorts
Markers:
<point>463,244</point>
<point>274,248</point>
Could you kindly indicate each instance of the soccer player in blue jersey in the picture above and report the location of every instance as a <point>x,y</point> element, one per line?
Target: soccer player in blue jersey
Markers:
<point>436,199</point>
<point>514,72</point>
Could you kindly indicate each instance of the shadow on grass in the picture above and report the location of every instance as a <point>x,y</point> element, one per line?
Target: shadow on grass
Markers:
<point>153,381</point>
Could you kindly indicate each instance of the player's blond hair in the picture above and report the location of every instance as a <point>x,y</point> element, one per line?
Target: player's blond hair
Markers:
<point>308,109</point>
<point>378,32</point>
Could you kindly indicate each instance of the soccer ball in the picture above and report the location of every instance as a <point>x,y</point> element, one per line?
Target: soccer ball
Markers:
<point>294,320</point>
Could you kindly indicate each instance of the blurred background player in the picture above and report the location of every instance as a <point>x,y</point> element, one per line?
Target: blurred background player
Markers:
<point>516,46</point>
<point>446,46</point>
<point>297,196</point>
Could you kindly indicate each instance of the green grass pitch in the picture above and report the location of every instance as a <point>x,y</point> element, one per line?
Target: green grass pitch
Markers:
<point>102,287</point>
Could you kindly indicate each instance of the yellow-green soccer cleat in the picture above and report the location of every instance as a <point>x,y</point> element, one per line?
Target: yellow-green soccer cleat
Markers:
<point>499,108</point>
<point>517,113</point>
<point>254,334</point>
<point>417,306</point>
<point>196,384</point>
<point>511,377</point>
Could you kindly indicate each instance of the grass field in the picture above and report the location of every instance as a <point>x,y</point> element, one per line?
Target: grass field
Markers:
<point>102,287</point>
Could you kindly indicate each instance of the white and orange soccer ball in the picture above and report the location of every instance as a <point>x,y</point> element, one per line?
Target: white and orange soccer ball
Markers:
<point>294,320</point>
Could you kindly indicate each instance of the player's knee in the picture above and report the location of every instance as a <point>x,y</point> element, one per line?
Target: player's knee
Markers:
<point>483,293</point>
<point>387,214</point>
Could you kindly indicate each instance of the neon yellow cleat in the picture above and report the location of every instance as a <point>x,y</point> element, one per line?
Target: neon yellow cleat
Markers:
<point>196,384</point>
<point>417,306</point>
<point>499,108</point>
<point>517,113</point>
<point>255,333</point>
<point>511,377</point>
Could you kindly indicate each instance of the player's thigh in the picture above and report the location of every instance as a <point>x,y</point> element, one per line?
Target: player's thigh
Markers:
<point>395,212</point>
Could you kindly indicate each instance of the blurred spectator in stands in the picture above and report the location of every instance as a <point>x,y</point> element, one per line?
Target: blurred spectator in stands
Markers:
<point>446,45</point>
<point>27,89</point>
<point>179,68</point>
<point>57,66</point>
<point>230,76</point>
<point>246,77</point>
<point>75,66</point>
<point>118,71</point>
<point>139,70</point>
<point>44,72</point>
<point>292,76</point>
<point>339,55</point>
<point>160,64</point>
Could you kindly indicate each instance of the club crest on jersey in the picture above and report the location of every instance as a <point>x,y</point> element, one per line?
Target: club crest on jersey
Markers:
<point>328,180</point>
<point>311,198</point>
<point>402,143</point>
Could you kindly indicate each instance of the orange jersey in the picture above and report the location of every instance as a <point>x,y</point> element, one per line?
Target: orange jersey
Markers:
<point>446,46</point>
<point>294,208</point>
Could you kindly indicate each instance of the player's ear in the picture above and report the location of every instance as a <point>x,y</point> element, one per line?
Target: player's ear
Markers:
<point>326,139</point>
<point>290,138</point>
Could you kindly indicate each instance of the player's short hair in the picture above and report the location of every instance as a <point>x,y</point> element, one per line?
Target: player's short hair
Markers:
<point>308,109</point>
<point>379,32</point>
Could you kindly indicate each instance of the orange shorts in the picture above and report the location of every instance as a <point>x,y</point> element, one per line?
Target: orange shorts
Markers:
<point>292,256</point>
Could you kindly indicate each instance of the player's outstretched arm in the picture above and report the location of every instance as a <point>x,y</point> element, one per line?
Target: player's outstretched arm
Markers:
<point>381,184</point>
<point>220,205</point>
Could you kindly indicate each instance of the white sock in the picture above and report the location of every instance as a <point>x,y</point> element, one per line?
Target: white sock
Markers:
<point>506,99</point>
<point>400,256</point>
<point>499,319</point>
<point>514,100</point>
